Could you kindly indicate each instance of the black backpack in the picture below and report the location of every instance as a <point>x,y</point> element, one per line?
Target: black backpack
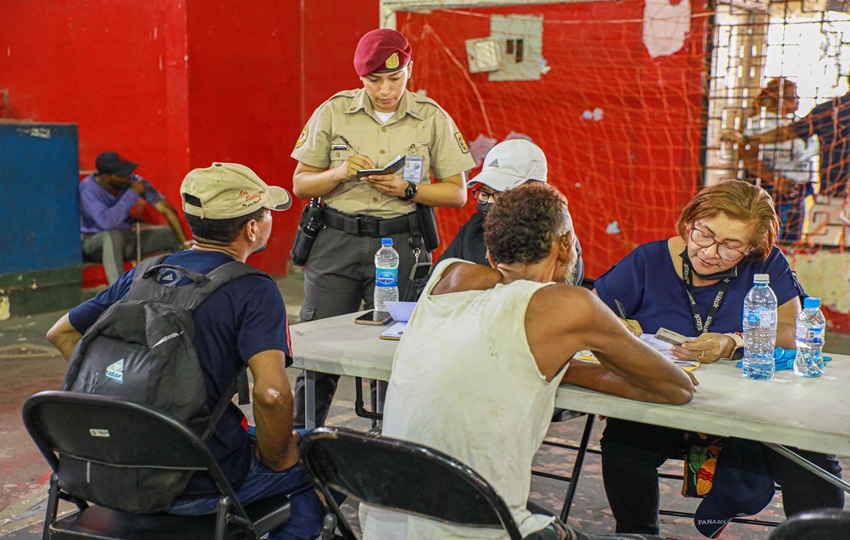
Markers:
<point>141,350</point>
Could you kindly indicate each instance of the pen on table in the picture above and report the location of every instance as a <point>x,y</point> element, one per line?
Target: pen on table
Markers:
<point>348,144</point>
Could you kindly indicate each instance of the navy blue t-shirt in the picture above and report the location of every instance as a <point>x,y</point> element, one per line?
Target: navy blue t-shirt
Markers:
<point>240,319</point>
<point>652,293</point>
<point>830,121</point>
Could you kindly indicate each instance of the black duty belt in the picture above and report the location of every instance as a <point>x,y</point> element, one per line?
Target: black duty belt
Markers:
<point>370,226</point>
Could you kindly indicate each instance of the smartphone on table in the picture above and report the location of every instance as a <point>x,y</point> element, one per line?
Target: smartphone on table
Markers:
<point>374,318</point>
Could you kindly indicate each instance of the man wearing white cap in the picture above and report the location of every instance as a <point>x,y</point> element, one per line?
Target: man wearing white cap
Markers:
<point>228,208</point>
<point>509,164</point>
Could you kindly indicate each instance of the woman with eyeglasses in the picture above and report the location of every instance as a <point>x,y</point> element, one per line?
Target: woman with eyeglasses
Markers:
<point>695,283</point>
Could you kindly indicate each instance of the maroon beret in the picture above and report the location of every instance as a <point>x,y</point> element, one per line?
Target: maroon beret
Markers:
<point>381,50</point>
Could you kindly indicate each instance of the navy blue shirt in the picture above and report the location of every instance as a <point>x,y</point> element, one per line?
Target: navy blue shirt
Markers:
<point>830,121</point>
<point>652,293</point>
<point>240,319</point>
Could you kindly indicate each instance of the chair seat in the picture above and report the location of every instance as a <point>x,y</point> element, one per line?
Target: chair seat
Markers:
<point>97,522</point>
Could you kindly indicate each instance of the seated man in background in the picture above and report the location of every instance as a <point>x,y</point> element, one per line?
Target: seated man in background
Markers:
<point>508,165</point>
<point>106,199</point>
<point>485,395</point>
<point>228,209</point>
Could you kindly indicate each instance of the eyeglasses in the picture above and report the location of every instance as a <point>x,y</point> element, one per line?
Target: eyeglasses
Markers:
<point>705,240</point>
<point>484,197</point>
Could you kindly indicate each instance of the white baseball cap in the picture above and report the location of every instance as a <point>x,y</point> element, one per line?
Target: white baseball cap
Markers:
<point>510,164</point>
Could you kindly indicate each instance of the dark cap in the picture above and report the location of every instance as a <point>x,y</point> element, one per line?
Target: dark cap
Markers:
<point>112,163</point>
<point>380,51</point>
<point>742,486</point>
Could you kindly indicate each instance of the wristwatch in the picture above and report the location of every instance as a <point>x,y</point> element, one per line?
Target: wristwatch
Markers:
<point>410,192</point>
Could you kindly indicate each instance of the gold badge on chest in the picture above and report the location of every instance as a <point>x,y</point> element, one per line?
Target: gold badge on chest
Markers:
<point>392,61</point>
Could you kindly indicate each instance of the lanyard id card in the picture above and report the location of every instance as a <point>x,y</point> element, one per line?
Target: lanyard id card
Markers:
<point>412,166</point>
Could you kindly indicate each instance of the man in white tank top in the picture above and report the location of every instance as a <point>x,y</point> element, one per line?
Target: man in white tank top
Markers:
<point>485,349</point>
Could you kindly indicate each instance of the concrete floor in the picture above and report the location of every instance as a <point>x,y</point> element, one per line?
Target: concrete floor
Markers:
<point>29,364</point>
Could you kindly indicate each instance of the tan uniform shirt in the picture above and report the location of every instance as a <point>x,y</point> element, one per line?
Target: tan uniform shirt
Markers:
<point>418,127</point>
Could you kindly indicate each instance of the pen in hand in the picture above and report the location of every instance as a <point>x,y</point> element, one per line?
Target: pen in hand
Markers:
<point>621,310</point>
<point>348,144</point>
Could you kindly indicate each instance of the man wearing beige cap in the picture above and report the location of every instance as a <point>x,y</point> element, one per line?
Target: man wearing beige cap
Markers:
<point>228,209</point>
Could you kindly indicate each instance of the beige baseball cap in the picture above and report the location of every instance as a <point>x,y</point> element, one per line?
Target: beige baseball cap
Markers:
<point>229,190</point>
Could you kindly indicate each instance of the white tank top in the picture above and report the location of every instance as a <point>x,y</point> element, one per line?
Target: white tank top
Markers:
<point>464,381</point>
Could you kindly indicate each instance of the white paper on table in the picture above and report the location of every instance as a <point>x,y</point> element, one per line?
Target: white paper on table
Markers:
<point>400,311</point>
<point>666,349</point>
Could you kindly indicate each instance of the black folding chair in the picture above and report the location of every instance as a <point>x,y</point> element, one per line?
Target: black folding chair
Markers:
<point>402,476</point>
<point>71,427</point>
<point>825,524</point>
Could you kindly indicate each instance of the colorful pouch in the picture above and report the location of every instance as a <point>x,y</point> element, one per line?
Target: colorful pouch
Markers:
<point>701,453</point>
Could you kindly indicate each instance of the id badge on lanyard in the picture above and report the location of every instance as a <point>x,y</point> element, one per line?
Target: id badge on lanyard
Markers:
<point>413,162</point>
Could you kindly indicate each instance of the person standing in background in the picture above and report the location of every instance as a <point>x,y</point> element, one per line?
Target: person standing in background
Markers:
<point>784,169</point>
<point>363,129</point>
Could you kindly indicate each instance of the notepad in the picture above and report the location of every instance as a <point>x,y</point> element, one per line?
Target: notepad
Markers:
<point>400,312</point>
<point>658,345</point>
<point>394,332</point>
<point>392,167</point>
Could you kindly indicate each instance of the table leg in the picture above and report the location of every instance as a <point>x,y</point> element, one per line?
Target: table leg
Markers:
<point>582,452</point>
<point>309,399</point>
<point>809,466</point>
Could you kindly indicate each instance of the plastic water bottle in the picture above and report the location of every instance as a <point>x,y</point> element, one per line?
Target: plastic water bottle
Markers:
<point>759,329</point>
<point>810,333</point>
<point>386,275</point>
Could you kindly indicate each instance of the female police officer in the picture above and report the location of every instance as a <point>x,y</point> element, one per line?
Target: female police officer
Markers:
<point>364,129</point>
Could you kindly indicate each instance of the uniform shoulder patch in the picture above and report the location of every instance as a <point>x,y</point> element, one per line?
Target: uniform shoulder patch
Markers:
<point>462,143</point>
<point>303,137</point>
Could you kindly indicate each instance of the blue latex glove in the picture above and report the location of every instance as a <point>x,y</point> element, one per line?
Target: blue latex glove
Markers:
<point>784,358</point>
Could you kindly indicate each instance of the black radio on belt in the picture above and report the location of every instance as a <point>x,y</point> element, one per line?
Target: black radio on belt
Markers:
<point>428,226</point>
<point>312,222</point>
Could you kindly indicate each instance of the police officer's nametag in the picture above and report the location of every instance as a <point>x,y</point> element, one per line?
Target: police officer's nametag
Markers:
<point>303,137</point>
<point>412,171</point>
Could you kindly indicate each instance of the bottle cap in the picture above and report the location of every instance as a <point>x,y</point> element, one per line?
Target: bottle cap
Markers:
<point>386,241</point>
<point>811,302</point>
<point>761,278</point>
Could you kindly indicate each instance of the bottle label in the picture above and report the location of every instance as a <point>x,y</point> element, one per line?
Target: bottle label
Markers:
<point>761,317</point>
<point>386,277</point>
<point>815,335</point>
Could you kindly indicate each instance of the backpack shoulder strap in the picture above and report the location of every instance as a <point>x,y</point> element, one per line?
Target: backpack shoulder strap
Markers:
<point>222,275</point>
<point>146,287</point>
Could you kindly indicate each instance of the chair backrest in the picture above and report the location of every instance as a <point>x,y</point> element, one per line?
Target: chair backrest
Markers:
<point>70,429</point>
<point>403,476</point>
<point>825,524</point>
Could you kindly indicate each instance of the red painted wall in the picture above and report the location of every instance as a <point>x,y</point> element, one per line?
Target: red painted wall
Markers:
<point>242,58</point>
<point>637,166</point>
<point>109,67</point>
<point>177,85</point>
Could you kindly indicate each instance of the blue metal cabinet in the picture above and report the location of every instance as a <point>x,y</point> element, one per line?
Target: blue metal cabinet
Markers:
<point>39,215</point>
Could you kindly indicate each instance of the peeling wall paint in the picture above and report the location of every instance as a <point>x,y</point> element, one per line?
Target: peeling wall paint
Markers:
<point>665,26</point>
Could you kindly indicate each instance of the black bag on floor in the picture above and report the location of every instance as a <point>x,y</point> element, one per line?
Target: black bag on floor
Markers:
<point>141,350</point>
